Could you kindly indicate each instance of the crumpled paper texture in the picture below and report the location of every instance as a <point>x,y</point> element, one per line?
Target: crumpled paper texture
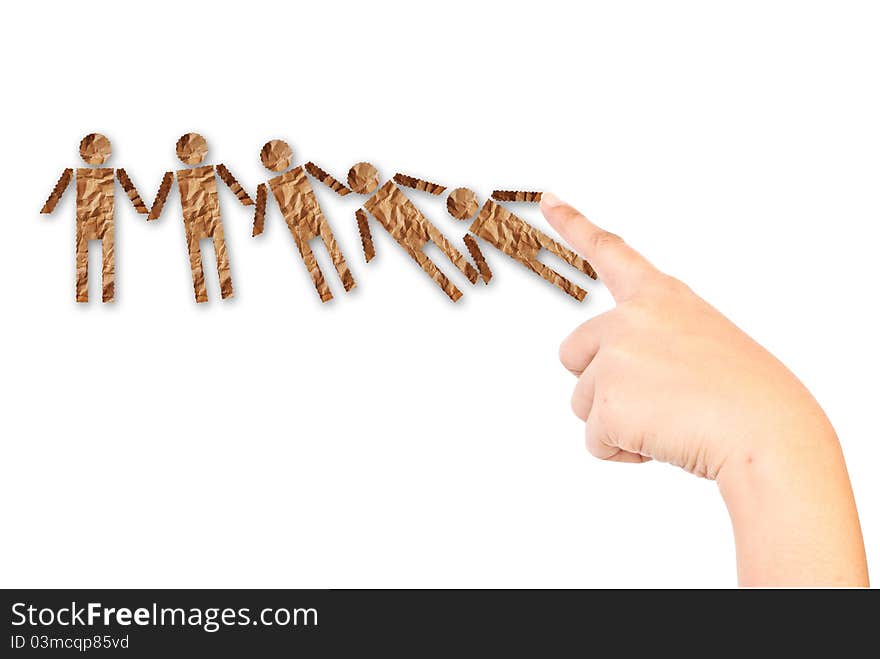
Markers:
<point>419,184</point>
<point>363,178</point>
<point>366,236</point>
<point>521,241</point>
<point>477,255</point>
<point>337,186</point>
<point>227,177</point>
<point>276,155</point>
<point>304,218</point>
<point>260,209</point>
<point>161,196</point>
<point>131,191</point>
<point>462,203</point>
<point>95,188</point>
<point>201,219</point>
<point>57,191</point>
<point>406,224</point>
<point>516,195</point>
<point>191,148</point>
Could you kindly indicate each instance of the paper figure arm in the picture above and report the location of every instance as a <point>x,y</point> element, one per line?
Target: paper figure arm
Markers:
<point>260,209</point>
<point>477,255</point>
<point>132,192</point>
<point>529,196</point>
<point>419,184</point>
<point>337,186</point>
<point>161,196</point>
<point>234,185</point>
<point>57,191</point>
<point>366,237</point>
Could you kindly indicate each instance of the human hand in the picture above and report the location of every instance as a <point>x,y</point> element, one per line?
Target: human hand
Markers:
<point>665,376</point>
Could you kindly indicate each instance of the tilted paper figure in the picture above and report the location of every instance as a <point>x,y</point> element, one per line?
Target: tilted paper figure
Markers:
<point>408,226</point>
<point>301,211</point>
<point>201,210</point>
<point>95,191</point>
<point>514,236</point>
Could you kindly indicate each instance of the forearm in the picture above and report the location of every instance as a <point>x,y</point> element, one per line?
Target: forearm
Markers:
<point>794,516</point>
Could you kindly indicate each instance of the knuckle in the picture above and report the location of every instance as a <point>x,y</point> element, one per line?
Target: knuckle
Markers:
<point>672,286</point>
<point>565,352</point>
<point>596,442</point>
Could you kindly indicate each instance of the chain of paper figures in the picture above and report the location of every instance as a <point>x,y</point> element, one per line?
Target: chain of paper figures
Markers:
<point>386,202</point>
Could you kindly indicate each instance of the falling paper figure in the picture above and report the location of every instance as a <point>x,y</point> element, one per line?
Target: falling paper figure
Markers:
<point>522,242</point>
<point>95,191</point>
<point>201,210</point>
<point>406,224</point>
<point>303,215</point>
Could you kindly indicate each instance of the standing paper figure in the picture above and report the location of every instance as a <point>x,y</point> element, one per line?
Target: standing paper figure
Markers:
<point>406,224</point>
<point>201,210</point>
<point>301,211</point>
<point>95,190</point>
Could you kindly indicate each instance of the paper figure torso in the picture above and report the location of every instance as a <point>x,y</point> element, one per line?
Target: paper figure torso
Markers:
<point>198,200</point>
<point>94,201</point>
<point>298,203</point>
<point>304,218</point>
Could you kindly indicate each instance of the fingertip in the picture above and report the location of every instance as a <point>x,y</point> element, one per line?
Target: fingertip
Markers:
<point>556,211</point>
<point>550,200</point>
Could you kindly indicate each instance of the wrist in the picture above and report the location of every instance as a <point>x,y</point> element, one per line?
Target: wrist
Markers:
<point>792,510</point>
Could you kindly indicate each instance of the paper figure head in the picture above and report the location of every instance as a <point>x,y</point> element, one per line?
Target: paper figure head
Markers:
<point>94,149</point>
<point>192,149</point>
<point>276,155</point>
<point>462,203</point>
<point>363,178</point>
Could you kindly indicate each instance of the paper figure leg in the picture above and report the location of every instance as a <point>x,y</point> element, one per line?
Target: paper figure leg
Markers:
<point>82,267</point>
<point>336,256</point>
<point>553,277</point>
<point>434,272</point>
<point>311,262</point>
<point>195,264</point>
<point>108,269</point>
<point>566,255</point>
<point>454,255</point>
<point>222,257</point>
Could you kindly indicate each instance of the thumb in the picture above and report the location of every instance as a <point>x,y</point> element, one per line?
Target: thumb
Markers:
<point>618,265</point>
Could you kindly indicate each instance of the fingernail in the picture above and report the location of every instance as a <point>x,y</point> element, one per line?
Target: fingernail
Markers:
<point>550,200</point>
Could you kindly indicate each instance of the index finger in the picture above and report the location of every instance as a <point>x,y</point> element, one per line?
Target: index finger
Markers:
<point>621,267</point>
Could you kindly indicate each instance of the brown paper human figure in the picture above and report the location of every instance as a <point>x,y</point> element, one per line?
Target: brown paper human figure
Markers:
<point>95,192</point>
<point>301,211</point>
<point>516,238</point>
<point>406,224</point>
<point>201,210</point>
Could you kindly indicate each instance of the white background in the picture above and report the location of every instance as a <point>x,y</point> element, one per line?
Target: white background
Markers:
<point>391,438</point>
